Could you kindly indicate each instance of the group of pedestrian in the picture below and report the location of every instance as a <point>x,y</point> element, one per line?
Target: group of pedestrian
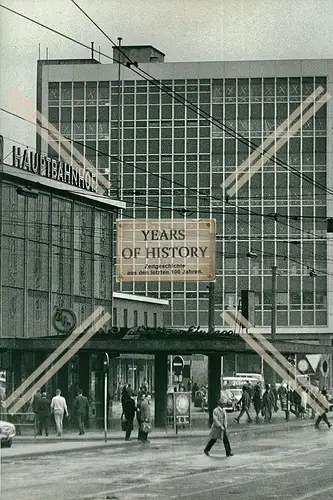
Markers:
<point>263,404</point>
<point>140,408</point>
<point>57,407</point>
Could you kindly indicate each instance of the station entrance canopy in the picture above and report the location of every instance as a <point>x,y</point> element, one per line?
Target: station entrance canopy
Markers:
<point>154,340</point>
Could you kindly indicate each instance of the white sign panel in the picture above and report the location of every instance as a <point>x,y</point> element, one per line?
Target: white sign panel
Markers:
<point>166,250</point>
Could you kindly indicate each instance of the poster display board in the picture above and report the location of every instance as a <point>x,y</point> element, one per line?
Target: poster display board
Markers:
<point>179,409</point>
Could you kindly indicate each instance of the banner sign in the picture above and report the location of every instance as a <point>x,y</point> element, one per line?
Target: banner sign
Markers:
<point>166,250</point>
<point>44,166</point>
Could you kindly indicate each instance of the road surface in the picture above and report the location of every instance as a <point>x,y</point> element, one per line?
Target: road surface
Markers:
<point>294,465</point>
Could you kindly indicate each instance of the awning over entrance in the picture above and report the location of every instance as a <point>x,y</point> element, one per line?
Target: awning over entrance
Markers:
<point>167,345</point>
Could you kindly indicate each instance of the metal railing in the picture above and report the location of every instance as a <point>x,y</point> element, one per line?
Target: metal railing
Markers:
<point>21,420</point>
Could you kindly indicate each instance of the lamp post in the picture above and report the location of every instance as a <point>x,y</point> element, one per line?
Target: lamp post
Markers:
<point>252,255</point>
<point>106,363</point>
<point>273,315</point>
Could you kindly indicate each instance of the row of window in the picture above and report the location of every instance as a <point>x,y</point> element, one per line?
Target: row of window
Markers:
<point>242,87</point>
<point>137,319</point>
<point>295,318</point>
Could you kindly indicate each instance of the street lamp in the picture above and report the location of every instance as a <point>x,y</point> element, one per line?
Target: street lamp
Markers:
<point>106,363</point>
<point>252,255</point>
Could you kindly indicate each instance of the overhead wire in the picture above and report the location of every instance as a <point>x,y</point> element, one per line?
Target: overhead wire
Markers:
<point>195,191</point>
<point>185,102</point>
<point>175,95</point>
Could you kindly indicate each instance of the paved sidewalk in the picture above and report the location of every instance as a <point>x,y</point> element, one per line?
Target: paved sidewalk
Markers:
<point>28,446</point>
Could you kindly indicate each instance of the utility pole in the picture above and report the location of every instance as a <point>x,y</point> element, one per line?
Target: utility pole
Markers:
<point>211,306</point>
<point>273,317</point>
<point>119,118</point>
<point>214,359</point>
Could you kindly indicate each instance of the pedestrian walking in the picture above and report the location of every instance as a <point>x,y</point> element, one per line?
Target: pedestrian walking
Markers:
<point>43,410</point>
<point>35,406</point>
<point>315,391</point>
<point>268,403</point>
<point>275,397</point>
<point>129,413</point>
<point>297,403</point>
<point>81,408</point>
<point>145,418</point>
<point>244,402</point>
<point>323,415</point>
<point>59,409</point>
<point>219,430</point>
<point>250,389</point>
<point>304,403</point>
<point>257,400</point>
<point>195,388</point>
<point>284,399</point>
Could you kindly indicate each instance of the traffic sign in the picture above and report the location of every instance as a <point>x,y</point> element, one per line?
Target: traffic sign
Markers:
<point>177,365</point>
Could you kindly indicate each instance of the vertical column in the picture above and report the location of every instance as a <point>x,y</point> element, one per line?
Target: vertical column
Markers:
<point>214,383</point>
<point>161,387</point>
<point>17,368</point>
<point>84,372</point>
<point>39,358</point>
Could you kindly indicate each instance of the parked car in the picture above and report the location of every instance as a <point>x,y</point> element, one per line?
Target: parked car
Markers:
<point>201,400</point>
<point>229,399</point>
<point>7,432</point>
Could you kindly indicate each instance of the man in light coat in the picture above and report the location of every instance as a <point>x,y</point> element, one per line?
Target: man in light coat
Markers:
<point>219,430</point>
<point>59,408</point>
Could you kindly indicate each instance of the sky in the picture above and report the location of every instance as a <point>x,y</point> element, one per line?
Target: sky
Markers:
<point>185,30</point>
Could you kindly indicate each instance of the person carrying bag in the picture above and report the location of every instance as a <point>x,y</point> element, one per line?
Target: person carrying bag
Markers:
<point>145,418</point>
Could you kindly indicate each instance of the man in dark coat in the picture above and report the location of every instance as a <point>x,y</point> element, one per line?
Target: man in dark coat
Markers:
<point>268,403</point>
<point>244,402</point>
<point>257,400</point>
<point>129,413</point>
<point>43,411</point>
<point>323,415</point>
<point>35,405</point>
<point>81,407</point>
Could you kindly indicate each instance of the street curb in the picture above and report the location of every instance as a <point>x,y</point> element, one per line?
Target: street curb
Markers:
<point>118,442</point>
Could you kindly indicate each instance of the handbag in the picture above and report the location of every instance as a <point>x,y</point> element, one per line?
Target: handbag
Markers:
<point>146,427</point>
<point>124,423</point>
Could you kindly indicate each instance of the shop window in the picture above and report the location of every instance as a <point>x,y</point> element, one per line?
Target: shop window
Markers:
<point>145,318</point>
<point>135,318</point>
<point>125,318</point>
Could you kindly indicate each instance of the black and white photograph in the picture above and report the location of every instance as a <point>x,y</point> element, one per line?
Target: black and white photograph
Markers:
<point>166,249</point>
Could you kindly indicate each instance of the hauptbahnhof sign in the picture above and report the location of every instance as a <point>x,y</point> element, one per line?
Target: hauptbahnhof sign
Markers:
<point>53,169</point>
<point>166,250</point>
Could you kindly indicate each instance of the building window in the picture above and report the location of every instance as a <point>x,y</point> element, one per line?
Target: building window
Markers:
<point>135,318</point>
<point>125,317</point>
<point>145,318</point>
<point>155,320</point>
<point>114,319</point>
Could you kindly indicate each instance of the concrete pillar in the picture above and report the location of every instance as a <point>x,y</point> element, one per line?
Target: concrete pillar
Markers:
<point>161,387</point>
<point>84,372</point>
<point>214,383</point>
<point>17,368</point>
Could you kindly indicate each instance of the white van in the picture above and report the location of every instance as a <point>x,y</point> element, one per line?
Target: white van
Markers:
<point>258,376</point>
<point>231,390</point>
